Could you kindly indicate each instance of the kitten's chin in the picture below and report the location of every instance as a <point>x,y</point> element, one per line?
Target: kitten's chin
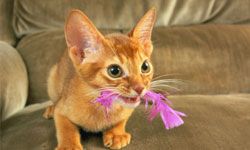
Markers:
<point>129,102</point>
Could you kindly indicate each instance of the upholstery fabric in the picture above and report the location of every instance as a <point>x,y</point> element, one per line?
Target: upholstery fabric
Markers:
<point>40,52</point>
<point>6,31</point>
<point>13,81</point>
<point>212,59</point>
<point>31,16</point>
<point>213,123</point>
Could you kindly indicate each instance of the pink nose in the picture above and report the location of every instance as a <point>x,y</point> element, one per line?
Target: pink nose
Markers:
<point>139,89</point>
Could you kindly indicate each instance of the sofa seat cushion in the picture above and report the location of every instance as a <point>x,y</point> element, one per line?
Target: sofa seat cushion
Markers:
<point>214,59</point>
<point>213,122</point>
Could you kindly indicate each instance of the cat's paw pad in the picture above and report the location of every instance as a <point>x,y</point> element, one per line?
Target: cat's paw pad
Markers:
<point>69,147</point>
<point>116,141</point>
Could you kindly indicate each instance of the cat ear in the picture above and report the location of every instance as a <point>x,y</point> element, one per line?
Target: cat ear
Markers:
<point>143,30</point>
<point>82,37</point>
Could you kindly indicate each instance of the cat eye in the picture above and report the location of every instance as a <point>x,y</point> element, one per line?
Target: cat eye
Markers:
<point>145,68</point>
<point>115,71</point>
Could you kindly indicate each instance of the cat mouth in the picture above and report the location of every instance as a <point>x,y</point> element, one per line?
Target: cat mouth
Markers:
<point>131,100</point>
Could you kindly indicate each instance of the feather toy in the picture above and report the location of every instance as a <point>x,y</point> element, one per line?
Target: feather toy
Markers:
<point>170,117</point>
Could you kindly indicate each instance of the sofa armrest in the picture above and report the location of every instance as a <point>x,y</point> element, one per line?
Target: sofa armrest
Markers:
<point>13,81</point>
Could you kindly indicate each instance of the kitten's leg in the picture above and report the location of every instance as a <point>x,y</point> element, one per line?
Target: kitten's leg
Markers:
<point>68,135</point>
<point>49,112</point>
<point>116,137</point>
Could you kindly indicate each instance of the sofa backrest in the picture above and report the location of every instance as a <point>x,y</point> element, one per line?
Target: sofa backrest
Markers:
<point>32,16</point>
<point>6,31</point>
<point>211,59</point>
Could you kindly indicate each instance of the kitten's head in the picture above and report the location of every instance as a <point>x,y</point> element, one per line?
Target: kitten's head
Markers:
<point>117,62</point>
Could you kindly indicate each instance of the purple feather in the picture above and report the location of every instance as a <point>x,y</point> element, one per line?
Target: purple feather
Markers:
<point>106,99</point>
<point>170,117</point>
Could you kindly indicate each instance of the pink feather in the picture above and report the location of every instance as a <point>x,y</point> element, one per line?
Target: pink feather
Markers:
<point>170,117</point>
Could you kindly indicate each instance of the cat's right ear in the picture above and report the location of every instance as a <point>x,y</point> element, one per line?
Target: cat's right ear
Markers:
<point>143,30</point>
<point>82,37</point>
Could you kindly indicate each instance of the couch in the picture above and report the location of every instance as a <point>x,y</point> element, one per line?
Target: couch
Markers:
<point>206,44</point>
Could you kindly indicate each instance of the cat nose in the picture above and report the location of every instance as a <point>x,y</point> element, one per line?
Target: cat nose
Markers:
<point>138,89</point>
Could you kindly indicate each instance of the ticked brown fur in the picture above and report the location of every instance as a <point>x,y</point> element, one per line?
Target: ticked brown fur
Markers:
<point>82,72</point>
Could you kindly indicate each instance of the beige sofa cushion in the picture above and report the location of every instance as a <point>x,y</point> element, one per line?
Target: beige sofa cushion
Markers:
<point>213,59</point>
<point>31,16</point>
<point>214,123</point>
<point>13,81</point>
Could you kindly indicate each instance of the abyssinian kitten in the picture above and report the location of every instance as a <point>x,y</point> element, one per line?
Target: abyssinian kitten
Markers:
<point>93,62</point>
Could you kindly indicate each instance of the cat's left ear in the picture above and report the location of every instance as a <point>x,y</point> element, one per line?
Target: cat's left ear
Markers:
<point>143,30</point>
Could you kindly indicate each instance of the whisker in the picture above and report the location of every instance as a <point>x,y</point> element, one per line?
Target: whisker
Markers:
<point>160,90</point>
<point>165,75</point>
<point>99,90</point>
<point>167,81</point>
<point>168,86</point>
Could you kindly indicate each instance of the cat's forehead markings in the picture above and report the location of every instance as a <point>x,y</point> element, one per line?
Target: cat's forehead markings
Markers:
<point>127,50</point>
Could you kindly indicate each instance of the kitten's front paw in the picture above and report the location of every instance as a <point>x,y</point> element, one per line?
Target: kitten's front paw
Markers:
<point>69,147</point>
<point>116,141</point>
